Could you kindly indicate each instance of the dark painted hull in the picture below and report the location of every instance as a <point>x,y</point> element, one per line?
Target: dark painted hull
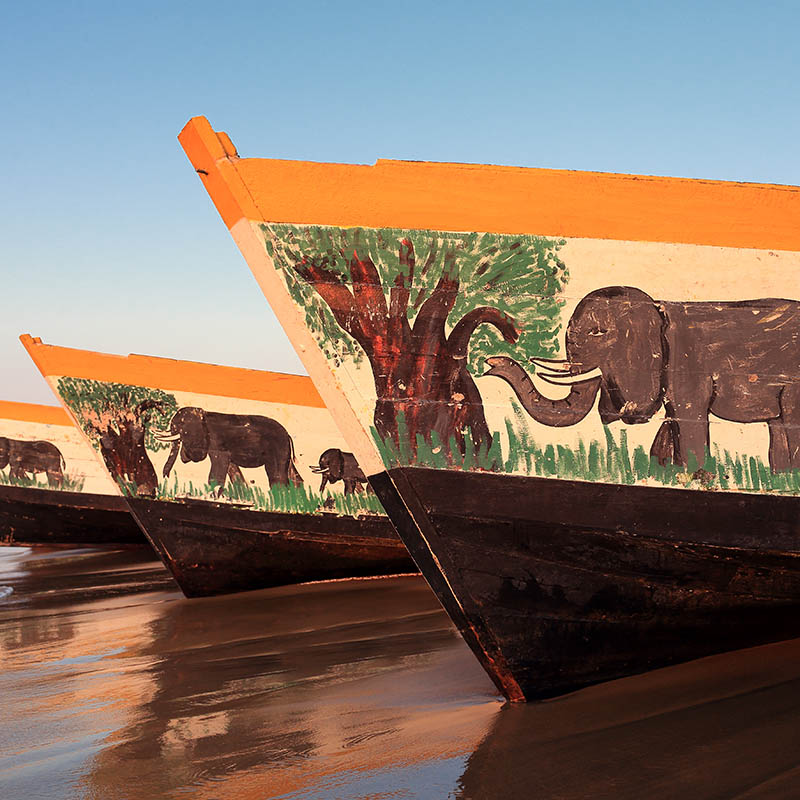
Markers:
<point>44,516</point>
<point>216,548</point>
<point>556,584</point>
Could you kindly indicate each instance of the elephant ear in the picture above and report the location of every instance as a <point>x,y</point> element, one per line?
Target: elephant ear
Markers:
<point>338,460</point>
<point>194,433</point>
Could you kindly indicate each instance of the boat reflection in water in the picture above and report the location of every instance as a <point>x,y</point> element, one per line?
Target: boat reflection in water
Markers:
<point>119,687</point>
<point>345,685</point>
<point>724,726</point>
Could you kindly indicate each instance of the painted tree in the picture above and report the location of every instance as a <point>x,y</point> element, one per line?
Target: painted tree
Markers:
<point>118,419</point>
<point>425,308</point>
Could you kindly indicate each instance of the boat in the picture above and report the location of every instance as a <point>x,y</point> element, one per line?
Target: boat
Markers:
<point>576,394</point>
<point>263,494</point>
<point>51,489</point>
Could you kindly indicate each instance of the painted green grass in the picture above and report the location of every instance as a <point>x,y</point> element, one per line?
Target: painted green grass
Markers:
<point>288,499</point>
<point>71,483</point>
<point>609,461</point>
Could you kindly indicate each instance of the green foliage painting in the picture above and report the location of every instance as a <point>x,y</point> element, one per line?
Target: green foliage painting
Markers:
<point>284,498</point>
<point>119,420</point>
<point>609,461</point>
<point>521,276</point>
<point>70,483</point>
<point>425,308</point>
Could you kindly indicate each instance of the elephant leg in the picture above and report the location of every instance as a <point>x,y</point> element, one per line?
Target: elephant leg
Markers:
<point>55,477</point>
<point>219,472</point>
<point>348,486</point>
<point>790,416</point>
<point>779,459</point>
<point>663,447</point>
<point>277,472</point>
<point>687,401</point>
<point>235,474</point>
<point>692,440</point>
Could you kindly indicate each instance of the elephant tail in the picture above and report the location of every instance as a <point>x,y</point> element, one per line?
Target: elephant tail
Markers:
<point>294,475</point>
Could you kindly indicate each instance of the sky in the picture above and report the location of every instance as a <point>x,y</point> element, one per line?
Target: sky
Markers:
<point>109,242</point>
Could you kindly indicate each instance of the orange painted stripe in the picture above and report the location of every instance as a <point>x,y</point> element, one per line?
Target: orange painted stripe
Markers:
<point>173,375</point>
<point>33,412</point>
<point>469,197</point>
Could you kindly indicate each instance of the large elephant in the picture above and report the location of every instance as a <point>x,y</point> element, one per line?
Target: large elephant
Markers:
<point>32,457</point>
<point>336,465</point>
<point>737,360</point>
<point>231,441</point>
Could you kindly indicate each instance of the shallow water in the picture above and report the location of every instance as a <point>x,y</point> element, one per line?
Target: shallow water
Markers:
<point>115,686</point>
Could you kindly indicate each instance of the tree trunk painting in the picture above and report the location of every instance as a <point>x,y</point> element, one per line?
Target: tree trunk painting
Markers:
<point>414,318</point>
<point>121,440</point>
<point>118,420</point>
<point>419,370</point>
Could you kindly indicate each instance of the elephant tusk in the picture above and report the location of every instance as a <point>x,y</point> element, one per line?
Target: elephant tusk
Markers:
<point>557,379</point>
<point>319,470</point>
<point>548,364</point>
<point>172,437</point>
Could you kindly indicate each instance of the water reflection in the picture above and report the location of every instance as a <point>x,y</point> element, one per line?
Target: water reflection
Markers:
<point>272,678</point>
<point>722,727</point>
<point>273,693</point>
<point>71,614</point>
<point>115,686</point>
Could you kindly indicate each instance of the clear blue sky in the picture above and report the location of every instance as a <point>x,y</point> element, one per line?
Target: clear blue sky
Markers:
<point>108,240</point>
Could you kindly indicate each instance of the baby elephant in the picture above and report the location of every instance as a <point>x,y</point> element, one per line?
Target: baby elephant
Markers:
<point>32,457</point>
<point>335,465</point>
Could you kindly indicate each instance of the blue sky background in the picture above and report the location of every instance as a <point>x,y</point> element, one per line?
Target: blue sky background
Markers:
<point>108,240</point>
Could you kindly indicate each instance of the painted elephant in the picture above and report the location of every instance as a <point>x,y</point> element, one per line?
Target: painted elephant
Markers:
<point>32,457</point>
<point>231,441</point>
<point>737,360</point>
<point>336,465</point>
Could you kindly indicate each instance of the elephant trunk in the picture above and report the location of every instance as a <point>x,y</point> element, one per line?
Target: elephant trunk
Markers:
<point>555,413</point>
<point>173,454</point>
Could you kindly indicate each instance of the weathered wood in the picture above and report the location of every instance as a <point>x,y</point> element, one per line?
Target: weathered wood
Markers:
<point>576,583</point>
<point>216,548</point>
<point>44,516</point>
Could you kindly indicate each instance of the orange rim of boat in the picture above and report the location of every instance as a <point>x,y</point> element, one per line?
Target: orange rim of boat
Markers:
<point>471,197</point>
<point>34,412</point>
<point>173,375</point>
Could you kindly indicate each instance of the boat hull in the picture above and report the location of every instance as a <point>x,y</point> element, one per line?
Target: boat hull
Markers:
<point>217,548</point>
<point>557,584</point>
<point>44,516</point>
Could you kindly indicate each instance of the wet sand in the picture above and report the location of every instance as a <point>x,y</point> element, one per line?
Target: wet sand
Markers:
<point>115,686</point>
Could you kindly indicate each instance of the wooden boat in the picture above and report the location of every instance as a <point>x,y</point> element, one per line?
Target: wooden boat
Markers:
<point>240,509</point>
<point>576,394</point>
<point>52,491</point>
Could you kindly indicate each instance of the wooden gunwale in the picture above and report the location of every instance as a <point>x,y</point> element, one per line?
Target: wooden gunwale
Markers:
<point>34,412</point>
<point>473,197</point>
<point>173,374</point>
